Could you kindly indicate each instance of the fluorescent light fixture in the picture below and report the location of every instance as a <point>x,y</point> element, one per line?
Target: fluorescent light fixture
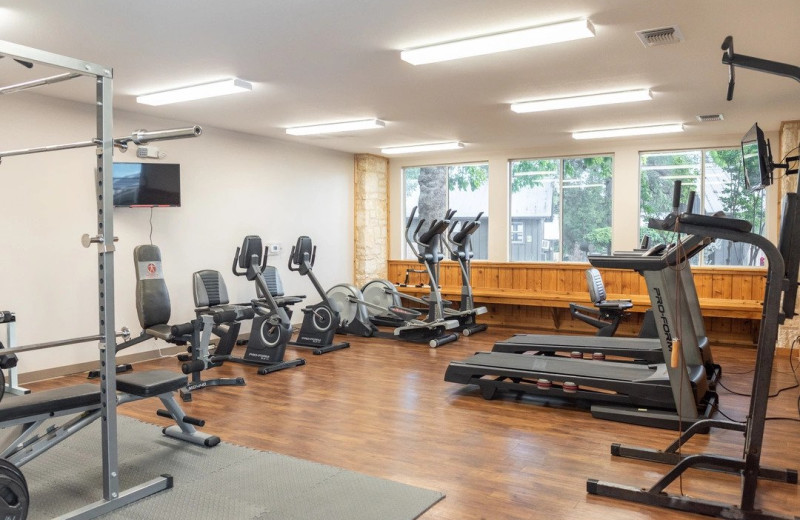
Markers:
<point>454,145</point>
<point>607,98</point>
<point>622,132</point>
<point>507,41</point>
<point>346,126</point>
<point>206,90</point>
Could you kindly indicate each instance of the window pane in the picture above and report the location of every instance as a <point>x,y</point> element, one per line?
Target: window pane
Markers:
<point>725,191</point>
<point>469,195</point>
<point>658,173</point>
<point>587,207</point>
<point>434,189</point>
<point>535,230</point>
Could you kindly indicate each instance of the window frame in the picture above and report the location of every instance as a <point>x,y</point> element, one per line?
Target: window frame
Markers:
<point>404,252</point>
<point>700,200</point>
<point>560,169</point>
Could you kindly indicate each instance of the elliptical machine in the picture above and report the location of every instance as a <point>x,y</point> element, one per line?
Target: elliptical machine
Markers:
<point>321,320</point>
<point>459,245</point>
<point>382,300</point>
<point>384,293</point>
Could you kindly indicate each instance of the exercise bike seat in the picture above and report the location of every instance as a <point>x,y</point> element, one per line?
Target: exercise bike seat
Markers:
<point>404,313</point>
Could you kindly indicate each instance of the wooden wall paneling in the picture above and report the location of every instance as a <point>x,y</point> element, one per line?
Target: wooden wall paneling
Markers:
<point>535,280</point>
<point>552,286</point>
<point>738,288</point>
<point>720,286</point>
<point>520,278</point>
<point>702,283</point>
<point>506,279</point>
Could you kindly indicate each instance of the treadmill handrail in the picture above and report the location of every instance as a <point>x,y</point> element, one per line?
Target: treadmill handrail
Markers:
<point>672,256</point>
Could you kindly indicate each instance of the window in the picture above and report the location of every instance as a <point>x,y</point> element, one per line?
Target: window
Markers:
<point>717,179</point>
<point>517,227</point>
<point>560,208</point>
<point>461,187</point>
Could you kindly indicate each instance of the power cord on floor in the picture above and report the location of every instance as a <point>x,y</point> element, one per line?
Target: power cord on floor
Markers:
<point>718,410</point>
<point>778,392</point>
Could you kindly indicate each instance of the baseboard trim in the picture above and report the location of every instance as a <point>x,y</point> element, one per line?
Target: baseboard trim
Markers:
<point>50,373</point>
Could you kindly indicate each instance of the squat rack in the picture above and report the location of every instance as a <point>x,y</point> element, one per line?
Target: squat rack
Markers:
<point>113,498</point>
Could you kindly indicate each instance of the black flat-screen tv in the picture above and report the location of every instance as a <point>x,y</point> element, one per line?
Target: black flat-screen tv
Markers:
<point>147,185</point>
<point>757,160</point>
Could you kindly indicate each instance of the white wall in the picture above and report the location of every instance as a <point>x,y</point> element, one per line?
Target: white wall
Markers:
<point>625,212</point>
<point>232,185</point>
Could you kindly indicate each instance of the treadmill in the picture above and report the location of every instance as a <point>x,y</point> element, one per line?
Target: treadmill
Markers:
<point>658,395</point>
<point>642,350</point>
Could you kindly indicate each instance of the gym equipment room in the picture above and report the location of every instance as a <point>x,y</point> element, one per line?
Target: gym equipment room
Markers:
<point>446,260</point>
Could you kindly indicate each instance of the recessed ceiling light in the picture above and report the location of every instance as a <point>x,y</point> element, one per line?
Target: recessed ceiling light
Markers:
<point>453,145</point>
<point>206,90</point>
<point>499,42</point>
<point>606,98</point>
<point>345,126</point>
<point>622,132</point>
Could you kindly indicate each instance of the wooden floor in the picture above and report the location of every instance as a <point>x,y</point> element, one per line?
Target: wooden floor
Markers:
<point>382,408</point>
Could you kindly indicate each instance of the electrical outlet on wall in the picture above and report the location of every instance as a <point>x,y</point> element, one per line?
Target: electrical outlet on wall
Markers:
<point>274,249</point>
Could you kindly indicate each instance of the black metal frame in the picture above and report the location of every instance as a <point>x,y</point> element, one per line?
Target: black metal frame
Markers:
<point>748,466</point>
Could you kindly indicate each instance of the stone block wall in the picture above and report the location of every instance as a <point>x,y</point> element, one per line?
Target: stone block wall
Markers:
<point>371,252</point>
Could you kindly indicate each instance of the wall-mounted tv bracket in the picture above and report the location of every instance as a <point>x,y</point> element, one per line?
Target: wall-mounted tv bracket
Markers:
<point>733,60</point>
<point>748,62</point>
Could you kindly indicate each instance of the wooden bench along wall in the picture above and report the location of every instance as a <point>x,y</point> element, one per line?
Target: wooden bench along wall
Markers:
<point>536,296</point>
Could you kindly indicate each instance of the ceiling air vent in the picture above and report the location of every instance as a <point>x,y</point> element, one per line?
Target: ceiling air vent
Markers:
<point>708,118</point>
<point>660,36</point>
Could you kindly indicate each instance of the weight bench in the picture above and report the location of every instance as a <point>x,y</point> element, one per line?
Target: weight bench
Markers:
<point>31,411</point>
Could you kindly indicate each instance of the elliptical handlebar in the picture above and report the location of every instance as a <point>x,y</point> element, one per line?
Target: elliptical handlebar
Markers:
<point>409,234</point>
<point>456,239</point>
<point>467,229</point>
<point>411,217</point>
<point>436,228</point>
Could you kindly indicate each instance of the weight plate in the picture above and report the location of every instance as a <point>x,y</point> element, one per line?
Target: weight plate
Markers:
<point>14,497</point>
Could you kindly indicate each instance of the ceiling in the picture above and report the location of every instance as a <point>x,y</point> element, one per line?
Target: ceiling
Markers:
<point>314,61</point>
